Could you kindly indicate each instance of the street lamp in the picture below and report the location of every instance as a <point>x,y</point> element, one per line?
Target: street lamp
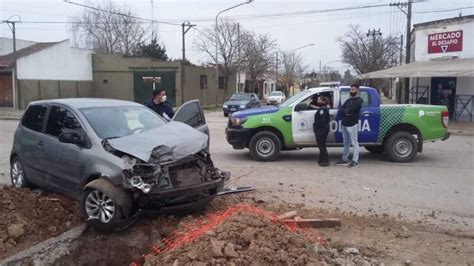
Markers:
<point>217,41</point>
<point>293,55</point>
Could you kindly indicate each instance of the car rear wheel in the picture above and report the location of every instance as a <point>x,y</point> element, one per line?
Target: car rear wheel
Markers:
<point>18,175</point>
<point>101,208</point>
<point>265,146</point>
<point>401,147</point>
<point>375,149</point>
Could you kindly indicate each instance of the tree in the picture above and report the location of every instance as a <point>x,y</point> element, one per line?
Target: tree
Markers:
<point>109,29</point>
<point>348,78</point>
<point>226,35</point>
<point>292,69</point>
<point>367,53</point>
<point>153,50</point>
<point>257,55</point>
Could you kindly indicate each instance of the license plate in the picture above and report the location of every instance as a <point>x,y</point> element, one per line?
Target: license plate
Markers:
<point>232,109</point>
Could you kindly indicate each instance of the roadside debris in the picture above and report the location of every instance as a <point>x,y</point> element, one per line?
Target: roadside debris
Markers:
<point>314,223</point>
<point>233,189</point>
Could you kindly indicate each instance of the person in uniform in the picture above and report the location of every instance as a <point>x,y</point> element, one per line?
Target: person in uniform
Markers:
<point>321,128</point>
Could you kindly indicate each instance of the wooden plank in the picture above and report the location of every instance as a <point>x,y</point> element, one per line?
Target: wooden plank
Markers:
<point>316,223</point>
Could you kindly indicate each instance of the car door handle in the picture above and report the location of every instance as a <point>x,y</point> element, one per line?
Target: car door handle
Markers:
<point>40,144</point>
<point>367,113</point>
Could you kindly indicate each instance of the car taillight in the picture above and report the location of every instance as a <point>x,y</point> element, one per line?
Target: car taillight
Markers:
<point>445,118</point>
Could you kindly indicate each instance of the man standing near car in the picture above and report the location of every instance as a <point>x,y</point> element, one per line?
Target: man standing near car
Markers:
<point>159,104</point>
<point>349,113</point>
<point>321,128</point>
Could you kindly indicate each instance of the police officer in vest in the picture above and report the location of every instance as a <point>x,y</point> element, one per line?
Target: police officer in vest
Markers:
<point>321,127</point>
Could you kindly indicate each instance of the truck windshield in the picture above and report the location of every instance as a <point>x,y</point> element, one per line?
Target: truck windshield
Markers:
<point>276,93</point>
<point>120,121</point>
<point>294,98</point>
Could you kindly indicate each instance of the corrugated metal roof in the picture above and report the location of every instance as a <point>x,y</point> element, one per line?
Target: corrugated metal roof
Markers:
<point>434,68</point>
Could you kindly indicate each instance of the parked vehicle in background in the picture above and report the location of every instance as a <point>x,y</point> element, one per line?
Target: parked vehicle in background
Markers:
<point>118,157</point>
<point>399,131</point>
<point>240,101</point>
<point>276,97</point>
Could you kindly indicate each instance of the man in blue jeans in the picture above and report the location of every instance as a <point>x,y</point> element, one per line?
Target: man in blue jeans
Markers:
<point>349,113</point>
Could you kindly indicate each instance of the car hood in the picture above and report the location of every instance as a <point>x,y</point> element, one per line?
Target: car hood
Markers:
<point>255,111</point>
<point>171,142</point>
<point>236,102</point>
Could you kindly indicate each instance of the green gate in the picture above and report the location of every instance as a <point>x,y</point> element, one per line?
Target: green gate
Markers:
<point>143,90</point>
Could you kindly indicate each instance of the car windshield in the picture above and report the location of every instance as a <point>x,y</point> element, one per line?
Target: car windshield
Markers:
<point>294,98</point>
<point>120,121</point>
<point>240,97</point>
<point>275,93</point>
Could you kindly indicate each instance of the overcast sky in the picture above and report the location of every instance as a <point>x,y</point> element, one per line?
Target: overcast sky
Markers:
<point>290,31</point>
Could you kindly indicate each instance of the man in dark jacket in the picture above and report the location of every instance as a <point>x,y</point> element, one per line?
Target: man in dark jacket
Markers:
<point>159,104</point>
<point>349,113</point>
<point>321,129</point>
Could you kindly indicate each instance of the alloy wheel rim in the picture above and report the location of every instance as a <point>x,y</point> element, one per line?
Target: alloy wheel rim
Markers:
<point>100,206</point>
<point>17,174</point>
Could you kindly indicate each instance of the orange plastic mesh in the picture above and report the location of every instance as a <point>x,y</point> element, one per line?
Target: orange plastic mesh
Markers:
<point>196,229</point>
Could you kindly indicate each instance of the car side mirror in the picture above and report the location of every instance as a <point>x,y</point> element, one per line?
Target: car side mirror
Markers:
<point>72,137</point>
<point>301,107</point>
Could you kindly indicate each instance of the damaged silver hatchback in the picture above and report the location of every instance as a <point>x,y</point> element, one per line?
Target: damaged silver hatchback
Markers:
<point>118,157</point>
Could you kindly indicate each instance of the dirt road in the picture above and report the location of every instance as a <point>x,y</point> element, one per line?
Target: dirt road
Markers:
<point>438,187</point>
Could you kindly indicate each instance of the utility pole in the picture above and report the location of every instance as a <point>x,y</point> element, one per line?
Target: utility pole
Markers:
<point>276,69</point>
<point>12,25</point>
<point>240,61</point>
<point>373,33</point>
<point>185,27</point>
<point>408,13</point>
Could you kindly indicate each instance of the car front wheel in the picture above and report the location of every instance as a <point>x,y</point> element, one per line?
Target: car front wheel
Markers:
<point>100,207</point>
<point>265,146</point>
<point>17,174</point>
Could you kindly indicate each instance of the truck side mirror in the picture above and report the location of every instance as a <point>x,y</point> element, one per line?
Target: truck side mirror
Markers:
<point>301,107</point>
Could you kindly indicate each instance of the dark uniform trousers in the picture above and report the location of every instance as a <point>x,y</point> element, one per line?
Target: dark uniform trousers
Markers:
<point>321,137</point>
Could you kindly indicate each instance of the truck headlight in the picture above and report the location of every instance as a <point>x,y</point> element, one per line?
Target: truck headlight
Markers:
<point>243,106</point>
<point>238,121</point>
<point>224,106</point>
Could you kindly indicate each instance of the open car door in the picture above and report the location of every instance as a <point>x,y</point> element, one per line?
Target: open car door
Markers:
<point>191,113</point>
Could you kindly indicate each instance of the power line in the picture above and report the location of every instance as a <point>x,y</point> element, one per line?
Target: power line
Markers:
<point>120,14</point>
<point>443,10</point>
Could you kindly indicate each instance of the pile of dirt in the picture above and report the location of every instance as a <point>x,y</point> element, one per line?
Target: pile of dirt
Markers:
<point>246,239</point>
<point>27,218</point>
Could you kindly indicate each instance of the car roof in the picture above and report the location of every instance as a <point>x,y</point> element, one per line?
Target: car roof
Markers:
<point>337,87</point>
<point>79,103</point>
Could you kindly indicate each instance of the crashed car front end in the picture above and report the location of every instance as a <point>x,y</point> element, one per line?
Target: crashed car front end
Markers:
<point>189,180</point>
<point>168,167</point>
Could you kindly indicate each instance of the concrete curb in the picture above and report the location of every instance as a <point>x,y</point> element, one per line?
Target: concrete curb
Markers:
<point>46,252</point>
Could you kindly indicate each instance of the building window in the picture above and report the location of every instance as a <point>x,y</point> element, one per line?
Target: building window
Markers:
<point>105,81</point>
<point>221,83</point>
<point>203,82</point>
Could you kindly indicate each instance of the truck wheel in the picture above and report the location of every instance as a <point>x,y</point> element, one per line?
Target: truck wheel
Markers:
<point>375,149</point>
<point>265,146</point>
<point>401,146</point>
<point>101,207</point>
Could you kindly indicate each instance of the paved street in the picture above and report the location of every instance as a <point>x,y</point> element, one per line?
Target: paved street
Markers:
<point>438,187</point>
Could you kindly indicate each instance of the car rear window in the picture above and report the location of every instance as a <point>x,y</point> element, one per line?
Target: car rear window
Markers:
<point>34,117</point>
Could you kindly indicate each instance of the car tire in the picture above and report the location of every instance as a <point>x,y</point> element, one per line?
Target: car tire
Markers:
<point>18,175</point>
<point>375,149</point>
<point>101,210</point>
<point>401,146</point>
<point>265,146</point>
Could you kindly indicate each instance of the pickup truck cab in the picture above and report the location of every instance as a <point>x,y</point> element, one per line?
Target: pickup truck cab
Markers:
<point>397,130</point>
